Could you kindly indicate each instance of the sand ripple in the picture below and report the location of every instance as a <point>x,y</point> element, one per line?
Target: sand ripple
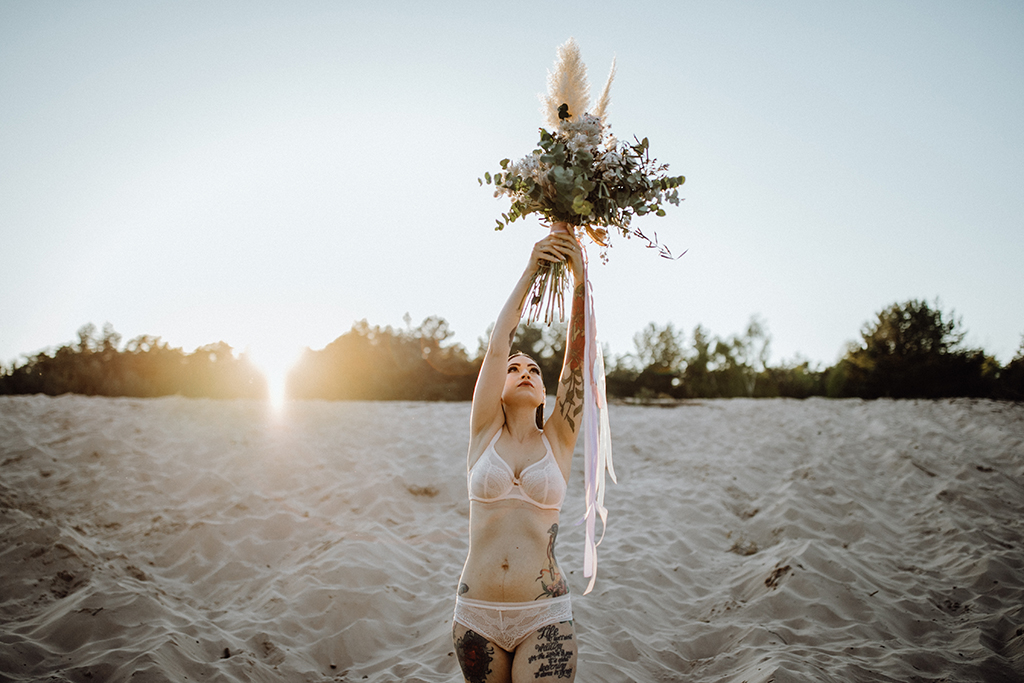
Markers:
<point>755,541</point>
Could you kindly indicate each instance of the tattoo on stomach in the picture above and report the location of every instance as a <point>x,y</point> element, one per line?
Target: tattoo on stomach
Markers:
<point>551,580</point>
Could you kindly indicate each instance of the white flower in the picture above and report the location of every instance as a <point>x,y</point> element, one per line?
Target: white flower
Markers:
<point>577,142</point>
<point>609,161</point>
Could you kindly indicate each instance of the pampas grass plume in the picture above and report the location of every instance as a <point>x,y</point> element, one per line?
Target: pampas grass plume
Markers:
<point>602,102</point>
<point>567,84</point>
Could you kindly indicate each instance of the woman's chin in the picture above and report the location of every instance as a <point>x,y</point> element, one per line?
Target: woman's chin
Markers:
<point>522,401</point>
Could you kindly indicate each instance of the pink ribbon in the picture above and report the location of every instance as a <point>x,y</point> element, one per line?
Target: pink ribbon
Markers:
<point>597,436</point>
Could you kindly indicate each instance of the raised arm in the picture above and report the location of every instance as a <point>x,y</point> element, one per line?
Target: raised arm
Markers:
<point>566,420</point>
<point>486,414</point>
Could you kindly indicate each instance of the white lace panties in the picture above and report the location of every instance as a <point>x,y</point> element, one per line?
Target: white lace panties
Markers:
<point>506,624</point>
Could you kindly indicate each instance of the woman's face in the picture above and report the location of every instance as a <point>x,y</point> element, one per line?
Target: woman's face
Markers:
<point>523,379</point>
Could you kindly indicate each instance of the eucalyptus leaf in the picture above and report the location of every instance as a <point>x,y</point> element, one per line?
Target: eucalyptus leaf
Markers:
<point>596,182</point>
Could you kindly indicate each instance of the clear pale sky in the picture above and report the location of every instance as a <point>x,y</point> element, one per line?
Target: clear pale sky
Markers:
<point>266,174</point>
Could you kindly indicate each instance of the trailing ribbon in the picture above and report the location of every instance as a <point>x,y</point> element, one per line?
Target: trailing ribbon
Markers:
<point>597,436</point>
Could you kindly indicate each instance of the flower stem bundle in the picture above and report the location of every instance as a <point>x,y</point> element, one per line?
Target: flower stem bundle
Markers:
<point>546,299</point>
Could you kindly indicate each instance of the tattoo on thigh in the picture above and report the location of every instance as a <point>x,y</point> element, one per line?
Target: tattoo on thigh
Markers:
<point>475,655</point>
<point>555,661</point>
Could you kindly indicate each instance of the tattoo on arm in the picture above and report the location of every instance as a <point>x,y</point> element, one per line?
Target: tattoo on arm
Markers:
<point>571,404</point>
<point>551,580</point>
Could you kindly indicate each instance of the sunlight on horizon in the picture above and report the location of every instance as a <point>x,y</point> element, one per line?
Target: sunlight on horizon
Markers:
<point>275,360</point>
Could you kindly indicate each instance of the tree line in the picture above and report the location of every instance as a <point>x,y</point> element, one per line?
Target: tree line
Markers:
<point>908,350</point>
<point>146,366</point>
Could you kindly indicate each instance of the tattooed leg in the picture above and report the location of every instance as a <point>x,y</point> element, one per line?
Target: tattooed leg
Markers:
<point>481,660</point>
<point>548,654</point>
<point>551,580</point>
<point>571,404</point>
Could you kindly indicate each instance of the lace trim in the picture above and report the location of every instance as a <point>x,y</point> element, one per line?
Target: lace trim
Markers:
<point>506,624</point>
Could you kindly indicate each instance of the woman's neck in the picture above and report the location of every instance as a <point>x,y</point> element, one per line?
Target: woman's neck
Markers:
<point>521,424</point>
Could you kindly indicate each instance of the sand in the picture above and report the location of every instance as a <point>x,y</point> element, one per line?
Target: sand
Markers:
<point>181,539</point>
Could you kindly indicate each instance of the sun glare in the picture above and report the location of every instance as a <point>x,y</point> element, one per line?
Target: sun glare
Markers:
<point>276,390</point>
<point>275,361</point>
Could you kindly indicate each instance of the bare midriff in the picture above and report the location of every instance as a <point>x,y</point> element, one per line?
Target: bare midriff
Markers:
<point>511,553</point>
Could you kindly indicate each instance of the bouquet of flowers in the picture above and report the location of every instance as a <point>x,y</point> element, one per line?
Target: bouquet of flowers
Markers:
<point>580,174</point>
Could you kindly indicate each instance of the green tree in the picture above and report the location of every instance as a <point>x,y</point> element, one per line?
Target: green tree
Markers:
<point>791,379</point>
<point>621,376</point>
<point>382,363</point>
<point>660,355</point>
<point>745,356</point>
<point>911,350</point>
<point>698,379</point>
<point>95,365</point>
<point>1011,378</point>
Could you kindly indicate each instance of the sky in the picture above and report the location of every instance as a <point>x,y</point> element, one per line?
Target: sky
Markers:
<point>269,173</point>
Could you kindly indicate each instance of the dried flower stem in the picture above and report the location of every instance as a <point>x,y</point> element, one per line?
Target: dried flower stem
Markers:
<point>547,295</point>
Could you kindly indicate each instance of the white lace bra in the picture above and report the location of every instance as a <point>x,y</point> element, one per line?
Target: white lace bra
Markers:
<point>541,484</point>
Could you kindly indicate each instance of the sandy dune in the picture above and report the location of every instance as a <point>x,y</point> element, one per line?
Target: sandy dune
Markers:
<point>178,539</point>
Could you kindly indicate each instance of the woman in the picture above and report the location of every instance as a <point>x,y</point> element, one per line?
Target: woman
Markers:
<point>513,618</point>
